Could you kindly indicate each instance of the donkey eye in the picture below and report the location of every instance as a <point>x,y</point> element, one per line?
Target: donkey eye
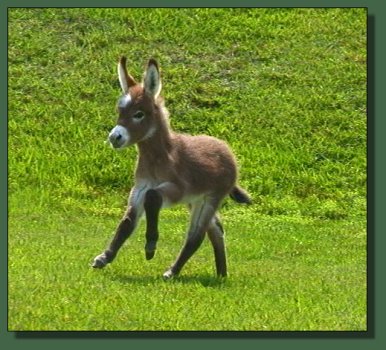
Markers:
<point>138,115</point>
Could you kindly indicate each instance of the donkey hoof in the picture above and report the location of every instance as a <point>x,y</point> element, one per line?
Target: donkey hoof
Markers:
<point>168,275</point>
<point>100,261</point>
<point>149,254</point>
<point>150,249</point>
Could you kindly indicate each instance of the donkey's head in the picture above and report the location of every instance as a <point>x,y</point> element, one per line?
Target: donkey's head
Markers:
<point>137,108</point>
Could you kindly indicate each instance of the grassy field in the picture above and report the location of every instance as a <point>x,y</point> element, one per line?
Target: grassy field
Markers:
<point>286,88</point>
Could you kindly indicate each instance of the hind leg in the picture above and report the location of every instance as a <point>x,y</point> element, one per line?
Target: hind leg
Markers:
<point>216,236</point>
<point>201,216</point>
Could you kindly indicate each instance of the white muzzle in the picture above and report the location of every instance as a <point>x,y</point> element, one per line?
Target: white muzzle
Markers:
<point>119,137</point>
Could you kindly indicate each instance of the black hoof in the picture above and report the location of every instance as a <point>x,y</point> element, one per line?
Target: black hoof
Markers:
<point>149,255</point>
<point>150,249</point>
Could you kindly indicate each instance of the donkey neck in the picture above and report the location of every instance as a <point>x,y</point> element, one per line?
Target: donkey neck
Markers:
<point>156,149</point>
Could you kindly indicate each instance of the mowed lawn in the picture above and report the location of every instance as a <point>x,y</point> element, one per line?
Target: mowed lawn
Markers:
<point>286,88</point>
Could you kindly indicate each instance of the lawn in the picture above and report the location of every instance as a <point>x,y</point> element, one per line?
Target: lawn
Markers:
<point>286,88</point>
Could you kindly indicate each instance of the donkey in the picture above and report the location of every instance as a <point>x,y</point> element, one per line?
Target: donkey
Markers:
<point>171,168</point>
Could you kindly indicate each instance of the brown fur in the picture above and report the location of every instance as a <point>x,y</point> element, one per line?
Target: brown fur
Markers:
<point>171,167</point>
<point>196,163</point>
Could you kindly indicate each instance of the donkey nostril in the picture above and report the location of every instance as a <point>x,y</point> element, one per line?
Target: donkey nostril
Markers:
<point>118,137</point>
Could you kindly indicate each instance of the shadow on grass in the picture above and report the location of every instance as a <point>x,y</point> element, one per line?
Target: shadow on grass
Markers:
<point>208,281</point>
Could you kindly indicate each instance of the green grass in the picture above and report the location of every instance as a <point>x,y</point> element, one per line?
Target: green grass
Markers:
<point>286,88</point>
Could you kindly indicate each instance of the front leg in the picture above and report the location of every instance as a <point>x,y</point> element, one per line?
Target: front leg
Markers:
<point>165,193</point>
<point>125,228</point>
<point>152,205</point>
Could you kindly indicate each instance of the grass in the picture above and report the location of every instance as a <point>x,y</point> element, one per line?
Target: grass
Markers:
<point>286,88</point>
<point>281,278</point>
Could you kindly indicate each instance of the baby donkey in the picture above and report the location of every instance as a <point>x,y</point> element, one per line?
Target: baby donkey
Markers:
<point>171,168</point>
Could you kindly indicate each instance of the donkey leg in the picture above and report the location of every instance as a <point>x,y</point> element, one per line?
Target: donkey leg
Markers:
<point>153,204</point>
<point>202,213</point>
<point>216,237</point>
<point>165,193</point>
<point>123,231</point>
<point>125,228</point>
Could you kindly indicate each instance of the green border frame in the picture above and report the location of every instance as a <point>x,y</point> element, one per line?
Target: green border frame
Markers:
<point>374,338</point>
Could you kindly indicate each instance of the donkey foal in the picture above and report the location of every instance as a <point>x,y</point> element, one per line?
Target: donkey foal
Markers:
<point>171,168</point>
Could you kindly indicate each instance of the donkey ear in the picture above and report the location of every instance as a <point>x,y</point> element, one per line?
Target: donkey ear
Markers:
<point>152,80</point>
<point>125,79</point>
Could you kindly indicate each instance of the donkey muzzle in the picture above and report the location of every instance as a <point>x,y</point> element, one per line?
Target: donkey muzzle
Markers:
<point>119,137</point>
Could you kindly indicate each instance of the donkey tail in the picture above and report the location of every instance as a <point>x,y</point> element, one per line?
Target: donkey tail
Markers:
<point>240,196</point>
